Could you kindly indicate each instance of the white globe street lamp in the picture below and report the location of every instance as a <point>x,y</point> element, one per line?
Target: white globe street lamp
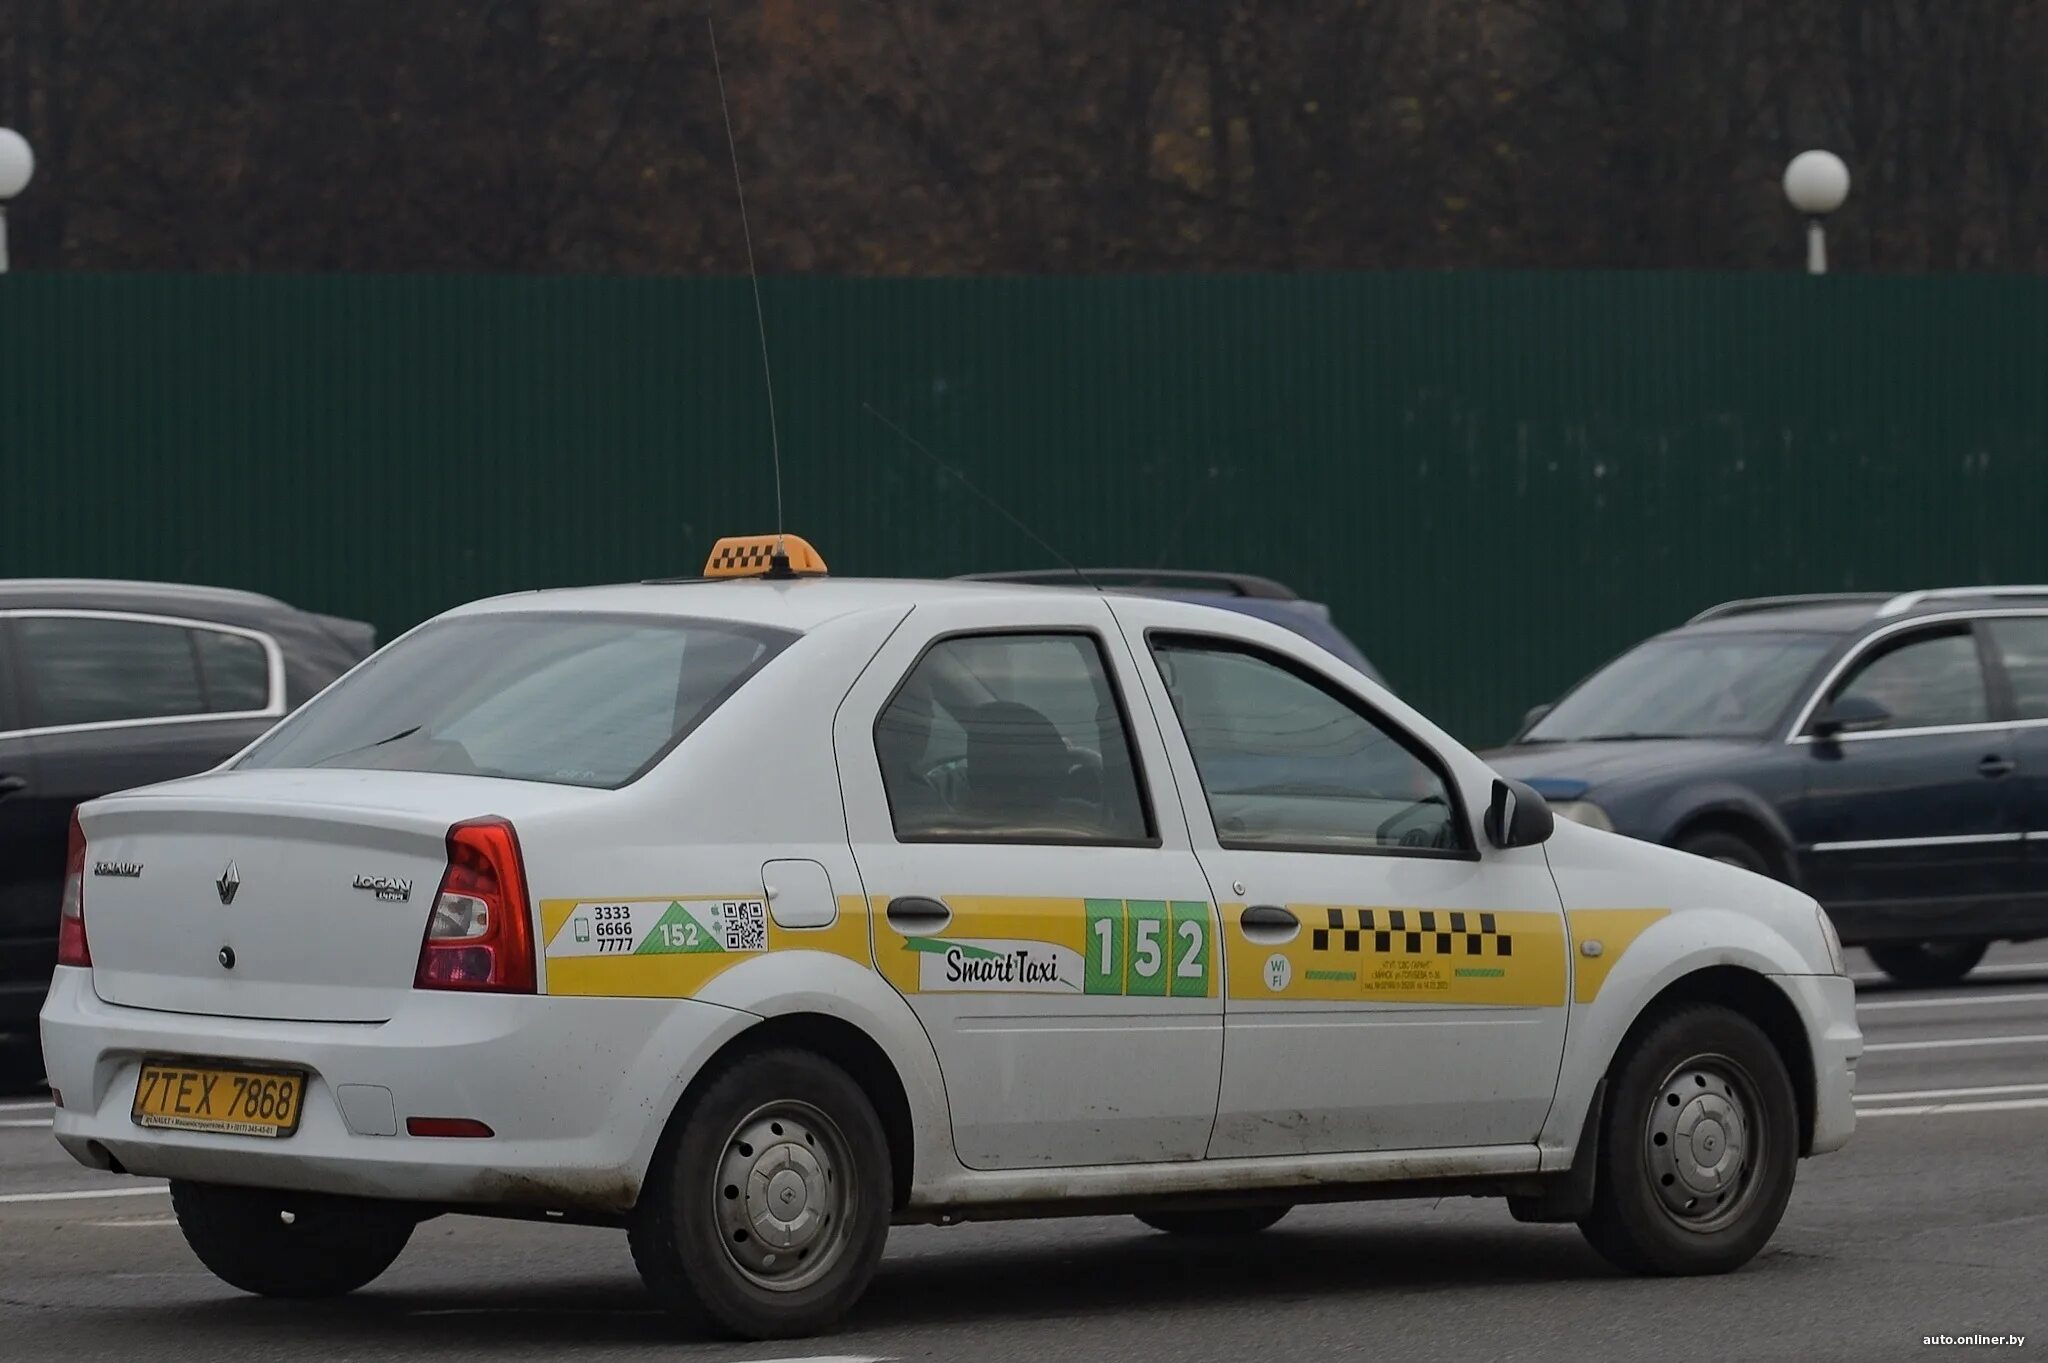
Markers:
<point>17,167</point>
<point>1816,183</point>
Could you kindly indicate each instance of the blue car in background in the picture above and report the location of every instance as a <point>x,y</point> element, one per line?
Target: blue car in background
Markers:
<point>1887,753</point>
<point>1243,592</point>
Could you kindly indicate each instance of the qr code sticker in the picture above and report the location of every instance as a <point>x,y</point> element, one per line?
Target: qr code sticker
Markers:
<point>746,924</point>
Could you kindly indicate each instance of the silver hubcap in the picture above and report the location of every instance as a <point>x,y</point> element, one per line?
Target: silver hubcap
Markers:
<point>1702,1143</point>
<point>782,1195</point>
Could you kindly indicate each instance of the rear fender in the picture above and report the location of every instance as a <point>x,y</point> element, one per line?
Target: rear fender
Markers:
<point>789,983</point>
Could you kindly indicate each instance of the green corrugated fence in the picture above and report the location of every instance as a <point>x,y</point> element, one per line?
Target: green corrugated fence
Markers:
<point>1495,480</point>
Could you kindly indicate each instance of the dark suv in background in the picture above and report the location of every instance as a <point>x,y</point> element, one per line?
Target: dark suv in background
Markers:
<point>106,685</point>
<point>1886,753</point>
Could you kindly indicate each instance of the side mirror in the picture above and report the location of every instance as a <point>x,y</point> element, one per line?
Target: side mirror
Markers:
<point>1850,715</point>
<point>1517,816</point>
<point>1532,716</point>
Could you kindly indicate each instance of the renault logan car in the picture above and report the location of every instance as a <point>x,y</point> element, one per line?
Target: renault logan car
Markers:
<point>753,916</point>
<point>1884,752</point>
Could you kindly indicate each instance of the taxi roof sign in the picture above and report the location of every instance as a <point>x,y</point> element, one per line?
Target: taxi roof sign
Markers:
<point>756,555</point>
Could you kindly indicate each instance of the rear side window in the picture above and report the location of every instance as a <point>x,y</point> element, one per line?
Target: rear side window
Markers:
<point>234,669</point>
<point>1010,738</point>
<point>573,700</point>
<point>2022,644</point>
<point>87,670</point>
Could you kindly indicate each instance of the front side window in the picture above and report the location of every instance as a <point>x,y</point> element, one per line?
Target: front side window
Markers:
<point>1708,685</point>
<point>1925,680</point>
<point>2022,644</point>
<point>1288,762</point>
<point>1010,738</point>
<point>93,670</point>
<point>570,699</point>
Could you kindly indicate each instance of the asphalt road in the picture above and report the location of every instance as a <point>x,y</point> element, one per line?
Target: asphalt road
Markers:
<point>1934,1221</point>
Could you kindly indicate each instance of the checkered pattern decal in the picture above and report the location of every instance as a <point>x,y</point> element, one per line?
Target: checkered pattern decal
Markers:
<point>730,558</point>
<point>1413,931</point>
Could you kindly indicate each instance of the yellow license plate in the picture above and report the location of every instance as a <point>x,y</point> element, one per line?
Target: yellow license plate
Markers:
<point>222,1098</point>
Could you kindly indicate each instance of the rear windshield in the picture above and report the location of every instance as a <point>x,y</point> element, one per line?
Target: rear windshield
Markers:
<point>575,700</point>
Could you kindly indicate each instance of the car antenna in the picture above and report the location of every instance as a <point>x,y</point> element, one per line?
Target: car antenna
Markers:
<point>907,438</point>
<point>778,558</point>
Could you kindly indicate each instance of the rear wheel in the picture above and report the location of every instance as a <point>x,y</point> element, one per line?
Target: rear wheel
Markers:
<point>1224,1221</point>
<point>279,1244</point>
<point>1927,964</point>
<point>1698,1145</point>
<point>766,1215</point>
<point>1729,848</point>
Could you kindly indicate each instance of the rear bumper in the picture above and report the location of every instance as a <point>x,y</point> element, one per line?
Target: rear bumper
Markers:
<point>1828,1005</point>
<point>576,1090</point>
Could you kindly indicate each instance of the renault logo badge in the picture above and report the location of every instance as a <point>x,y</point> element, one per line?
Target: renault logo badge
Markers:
<point>229,882</point>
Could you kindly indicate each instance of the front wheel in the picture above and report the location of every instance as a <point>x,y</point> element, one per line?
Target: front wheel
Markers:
<point>279,1244</point>
<point>1223,1221</point>
<point>1927,965</point>
<point>1698,1145</point>
<point>1730,849</point>
<point>766,1216</point>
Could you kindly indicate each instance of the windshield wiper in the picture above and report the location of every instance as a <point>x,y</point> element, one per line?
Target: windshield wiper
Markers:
<point>365,747</point>
<point>1626,738</point>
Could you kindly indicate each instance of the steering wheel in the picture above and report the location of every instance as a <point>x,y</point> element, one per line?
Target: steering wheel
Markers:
<point>1437,833</point>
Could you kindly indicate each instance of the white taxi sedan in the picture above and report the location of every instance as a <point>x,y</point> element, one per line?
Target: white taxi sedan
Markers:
<point>756,915</point>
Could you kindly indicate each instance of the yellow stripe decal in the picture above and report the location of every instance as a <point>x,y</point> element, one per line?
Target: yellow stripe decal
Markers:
<point>1349,953</point>
<point>1156,948</point>
<point>670,947</point>
<point>1615,930</point>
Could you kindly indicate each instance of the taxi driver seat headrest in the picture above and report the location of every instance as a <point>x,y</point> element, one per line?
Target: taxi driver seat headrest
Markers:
<point>1015,756</point>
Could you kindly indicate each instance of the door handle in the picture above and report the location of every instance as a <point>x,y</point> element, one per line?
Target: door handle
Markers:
<point>1995,766</point>
<point>1267,923</point>
<point>917,916</point>
<point>10,783</point>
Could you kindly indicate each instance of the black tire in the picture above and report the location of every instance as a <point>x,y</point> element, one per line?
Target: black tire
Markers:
<point>1732,848</point>
<point>1926,965</point>
<point>331,1246</point>
<point>790,1125</point>
<point>1657,1207</point>
<point>1224,1221</point>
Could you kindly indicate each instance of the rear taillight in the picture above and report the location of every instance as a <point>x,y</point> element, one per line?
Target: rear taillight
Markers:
<point>71,947</point>
<point>480,933</point>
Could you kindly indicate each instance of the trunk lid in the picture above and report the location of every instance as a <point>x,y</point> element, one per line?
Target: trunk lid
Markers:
<point>317,886</point>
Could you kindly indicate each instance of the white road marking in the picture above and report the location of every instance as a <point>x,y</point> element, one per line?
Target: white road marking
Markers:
<point>1921,1095</point>
<point>25,1105</point>
<point>138,1223</point>
<point>1942,1109</point>
<point>28,1121</point>
<point>85,1194</point>
<point>1997,968</point>
<point>537,1311</point>
<point>1957,1042</point>
<point>1960,1001</point>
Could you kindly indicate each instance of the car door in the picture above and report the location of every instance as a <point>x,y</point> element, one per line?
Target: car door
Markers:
<point>1902,826</point>
<point>1035,897</point>
<point>1390,986</point>
<point>2019,644</point>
